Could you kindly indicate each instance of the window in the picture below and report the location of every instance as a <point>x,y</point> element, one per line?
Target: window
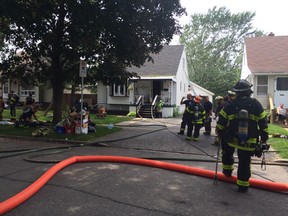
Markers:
<point>282,84</point>
<point>26,90</point>
<point>262,85</point>
<point>119,90</point>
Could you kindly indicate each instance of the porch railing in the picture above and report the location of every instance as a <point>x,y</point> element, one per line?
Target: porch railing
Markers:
<point>153,106</point>
<point>139,103</point>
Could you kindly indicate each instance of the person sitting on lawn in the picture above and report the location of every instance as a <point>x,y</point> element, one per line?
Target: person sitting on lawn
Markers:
<point>75,110</point>
<point>26,118</point>
<point>282,113</point>
<point>101,112</point>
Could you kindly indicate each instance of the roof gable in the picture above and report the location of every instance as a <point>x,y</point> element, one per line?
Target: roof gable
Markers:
<point>166,63</point>
<point>267,54</point>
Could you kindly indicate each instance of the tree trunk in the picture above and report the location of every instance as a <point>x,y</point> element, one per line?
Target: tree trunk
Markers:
<point>58,89</point>
<point>73,90</point>
<point>57,101</point>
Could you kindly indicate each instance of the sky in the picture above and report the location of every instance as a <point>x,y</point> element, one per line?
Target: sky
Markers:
<point>271,16</point>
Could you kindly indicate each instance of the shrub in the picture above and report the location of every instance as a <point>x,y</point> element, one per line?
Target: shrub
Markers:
<point>132,114</point>
<point>176,111</point>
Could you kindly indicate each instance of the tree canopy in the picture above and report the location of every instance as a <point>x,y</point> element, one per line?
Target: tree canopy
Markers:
<point>47,38</point>
<point>3,25</point>
<point>214,47</point>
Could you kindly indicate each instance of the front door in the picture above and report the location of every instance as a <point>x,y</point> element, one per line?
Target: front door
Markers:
<point>281,91</point>
<point>157,85</point>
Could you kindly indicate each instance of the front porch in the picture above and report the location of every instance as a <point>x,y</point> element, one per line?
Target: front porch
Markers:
<point>144,95</point>
<point>148,89</point>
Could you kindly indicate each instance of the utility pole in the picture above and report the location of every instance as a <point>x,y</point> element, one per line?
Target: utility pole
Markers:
<point>82,74</point>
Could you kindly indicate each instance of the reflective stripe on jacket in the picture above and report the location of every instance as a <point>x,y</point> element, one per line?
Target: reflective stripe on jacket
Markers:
<point>197,113</point>
<point>227,125</point>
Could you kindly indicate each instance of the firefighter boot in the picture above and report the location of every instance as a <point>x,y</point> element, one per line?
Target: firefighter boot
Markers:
<point>242,189</point>
<point>181,131</point>
<point>227,173</point>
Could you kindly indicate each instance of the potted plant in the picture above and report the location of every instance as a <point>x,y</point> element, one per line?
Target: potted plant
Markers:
<point>159,105</point>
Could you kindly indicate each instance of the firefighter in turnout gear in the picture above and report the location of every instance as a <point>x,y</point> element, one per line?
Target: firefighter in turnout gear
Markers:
<point>13,101</point>
<point>208,106</point>
<point>239,126</point>
<point>219,107</point>
<point>185,117</point>
<point>196,120</point>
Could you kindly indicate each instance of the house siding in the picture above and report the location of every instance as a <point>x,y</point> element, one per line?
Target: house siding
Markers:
<point>114,103</point>
<point>264,99</point>
<point>169,70</point>
<point>45,94</point>
<point>101,94</point>
<point>118,100</point>
<point>266,55</point>
<point>183,81</point>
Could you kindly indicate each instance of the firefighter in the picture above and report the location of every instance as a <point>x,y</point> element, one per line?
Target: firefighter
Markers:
<point>13,101</point>
<point>208,106</point>
<point>231,95</point>
<point>220,105</point>
<point>196,118</point>
<point>29,100</point>
<point>239,126</point>
<point>185,116</point>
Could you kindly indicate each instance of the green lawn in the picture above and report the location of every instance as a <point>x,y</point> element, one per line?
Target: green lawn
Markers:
<point>279,144</point>
<point>101,127</point>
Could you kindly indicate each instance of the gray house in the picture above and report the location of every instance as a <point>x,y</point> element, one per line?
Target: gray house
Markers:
<point>265,65</point>
<point>166,78</point>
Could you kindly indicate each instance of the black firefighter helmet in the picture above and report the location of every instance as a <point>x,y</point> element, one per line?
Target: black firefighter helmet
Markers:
<point>243,87</point>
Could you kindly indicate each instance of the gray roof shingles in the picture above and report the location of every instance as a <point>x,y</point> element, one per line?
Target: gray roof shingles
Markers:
<point>268,54</point>
<point>166,63</point>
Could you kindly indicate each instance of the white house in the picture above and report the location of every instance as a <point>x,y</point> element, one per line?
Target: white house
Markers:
<point>166,78</point>
<point>265,65</point>
<point>195,89</point>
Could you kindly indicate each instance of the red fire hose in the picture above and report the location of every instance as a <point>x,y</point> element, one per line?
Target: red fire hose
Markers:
<point>22,196</point>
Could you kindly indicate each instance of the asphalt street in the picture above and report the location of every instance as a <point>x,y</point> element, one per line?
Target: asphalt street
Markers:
<point>110,188</point>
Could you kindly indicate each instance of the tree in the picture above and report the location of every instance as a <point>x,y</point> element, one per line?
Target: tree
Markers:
<point>110,35</point>
<point>3,25</point>
<point>214,44</point>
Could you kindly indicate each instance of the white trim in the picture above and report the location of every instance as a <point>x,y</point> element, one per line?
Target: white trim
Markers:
<point>117,90</point>
<point>154,78</point>
<point>194,84</point>
<point>271,74</point>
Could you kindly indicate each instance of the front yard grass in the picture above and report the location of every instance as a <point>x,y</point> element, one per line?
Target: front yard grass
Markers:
<point>279,144</point>
<point>101,127</point>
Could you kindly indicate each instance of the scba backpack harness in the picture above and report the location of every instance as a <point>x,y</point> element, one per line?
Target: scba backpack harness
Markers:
<point>243,128</point>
